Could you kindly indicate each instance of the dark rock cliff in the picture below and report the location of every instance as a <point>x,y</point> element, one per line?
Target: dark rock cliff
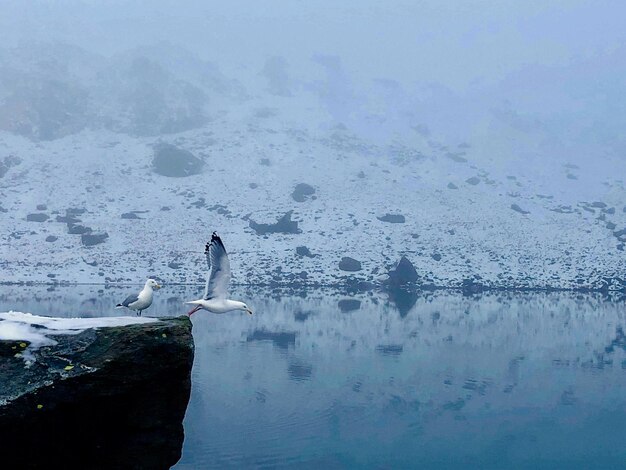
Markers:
<point>104,398</point>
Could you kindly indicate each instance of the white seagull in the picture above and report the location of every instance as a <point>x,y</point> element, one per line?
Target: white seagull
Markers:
<point>216,291</point>
<point>141,301</point>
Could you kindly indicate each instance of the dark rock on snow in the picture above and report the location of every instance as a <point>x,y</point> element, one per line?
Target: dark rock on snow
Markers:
<point>88,239</point>
<point>349,264</point>
<point>282,225</point>
<point>172,161</point>
<point>174,265</point>
<point>517,208</point>
<point>67,219</point>
<point>302,192</point>
<point>106,398</point>
<point>76,229</point>
<point>304,251</point>
<point>392,218</point>
<point>75,211</point>
<point>404,273</point>
<point>37,217</point>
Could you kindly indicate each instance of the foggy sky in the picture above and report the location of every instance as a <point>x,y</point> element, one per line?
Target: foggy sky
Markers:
<point>553,68</point>
<point>456,43</point>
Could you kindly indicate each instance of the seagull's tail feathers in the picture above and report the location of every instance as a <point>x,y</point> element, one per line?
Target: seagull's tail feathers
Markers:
<point>119,306</point>
<point>194,302</point>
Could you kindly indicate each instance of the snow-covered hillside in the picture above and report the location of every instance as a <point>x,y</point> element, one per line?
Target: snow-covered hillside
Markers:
<point>349,171</point>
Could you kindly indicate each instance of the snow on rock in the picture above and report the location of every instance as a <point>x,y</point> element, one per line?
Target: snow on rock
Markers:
<point>36,330</point>
<point>378,187</point>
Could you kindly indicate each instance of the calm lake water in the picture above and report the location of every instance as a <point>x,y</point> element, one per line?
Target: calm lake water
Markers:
<point>436,380</point>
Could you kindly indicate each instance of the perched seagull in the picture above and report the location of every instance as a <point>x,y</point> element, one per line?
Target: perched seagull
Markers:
<point>216,291</point>
<point>141,301</point>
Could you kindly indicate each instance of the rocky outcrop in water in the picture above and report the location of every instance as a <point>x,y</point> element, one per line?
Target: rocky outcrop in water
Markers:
<point>112,397</point>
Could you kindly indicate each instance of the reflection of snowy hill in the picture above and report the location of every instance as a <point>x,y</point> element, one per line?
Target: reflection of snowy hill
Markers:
<point>477,365</point>
<point>497,207</point>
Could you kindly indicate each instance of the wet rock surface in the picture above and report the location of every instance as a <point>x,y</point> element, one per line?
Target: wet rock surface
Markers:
<point>104,398</point>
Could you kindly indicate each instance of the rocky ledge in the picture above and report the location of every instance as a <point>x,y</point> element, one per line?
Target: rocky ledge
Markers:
<point>111,397</point>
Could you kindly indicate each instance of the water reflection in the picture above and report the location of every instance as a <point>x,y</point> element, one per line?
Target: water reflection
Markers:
<point>439,379</point>
<point>403,299</point>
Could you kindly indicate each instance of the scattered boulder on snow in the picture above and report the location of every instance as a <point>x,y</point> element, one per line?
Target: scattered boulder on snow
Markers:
<point>175,162</point>
<point>37,217</point>
<point>392,218</point>
<point>403,273</point>
<point>304,251</point>
<point>282,225</point>
<point>517,208</point>
<point>302,192</point>
<point>349,264</point>
<point>77,229</point>
<point>89,239</point>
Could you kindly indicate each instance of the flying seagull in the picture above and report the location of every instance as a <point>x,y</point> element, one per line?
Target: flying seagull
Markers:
<point>140,302</point>
<point>216,291</point>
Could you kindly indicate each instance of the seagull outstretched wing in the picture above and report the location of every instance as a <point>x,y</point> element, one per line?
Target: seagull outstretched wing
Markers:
<point>219,269</point>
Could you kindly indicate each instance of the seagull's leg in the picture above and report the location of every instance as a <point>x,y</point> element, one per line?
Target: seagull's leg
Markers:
<point>138,313</point>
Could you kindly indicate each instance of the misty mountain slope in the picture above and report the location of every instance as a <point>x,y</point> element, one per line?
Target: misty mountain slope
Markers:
<point>311,173</point>
<point>455,211</point>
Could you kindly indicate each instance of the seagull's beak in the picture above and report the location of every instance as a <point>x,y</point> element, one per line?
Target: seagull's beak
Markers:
<point>249,311</point>
<point>194,310</point>
<point>158,286</point>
